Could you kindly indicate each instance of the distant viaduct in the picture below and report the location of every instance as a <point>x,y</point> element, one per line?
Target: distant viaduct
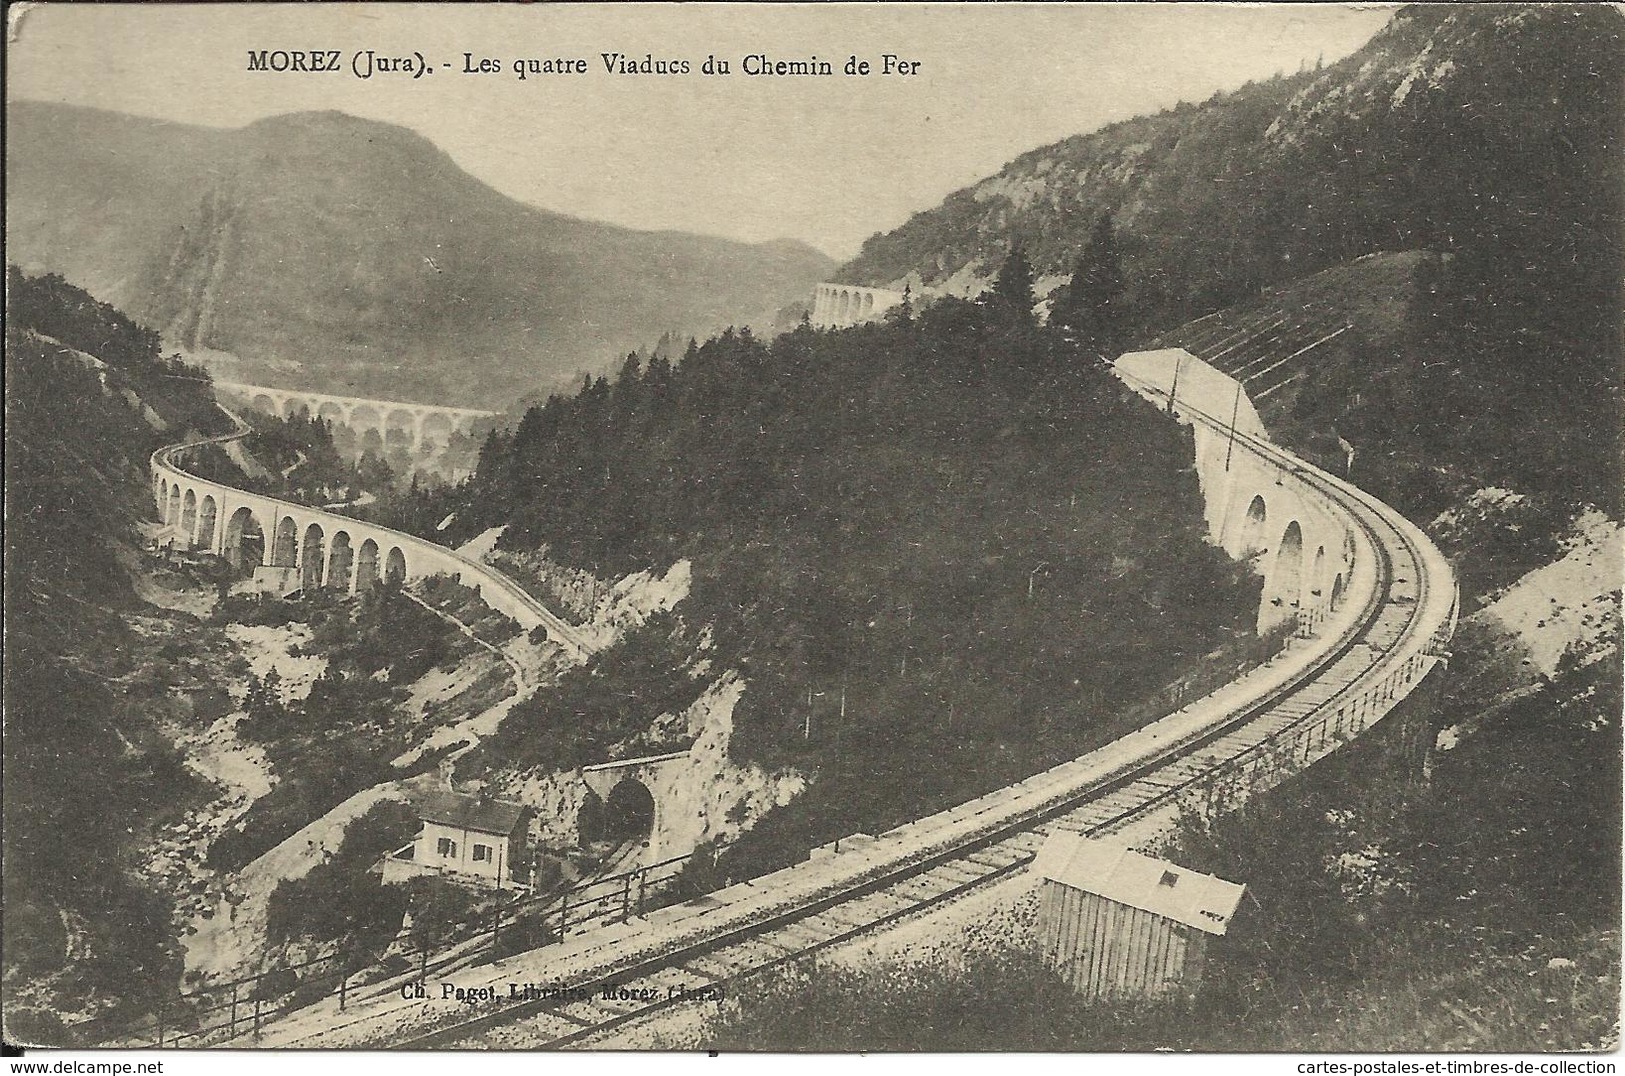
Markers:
<point>322,549</point>
<point>421,421</point>
<point>836,306</point>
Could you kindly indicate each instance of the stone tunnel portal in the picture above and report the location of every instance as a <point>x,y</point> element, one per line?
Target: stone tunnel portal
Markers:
<point>629,814</point>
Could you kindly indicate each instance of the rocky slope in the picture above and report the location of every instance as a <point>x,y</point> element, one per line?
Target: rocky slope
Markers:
<point>1448,112</point>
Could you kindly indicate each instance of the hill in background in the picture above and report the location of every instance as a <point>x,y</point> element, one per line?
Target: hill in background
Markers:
<point>355,257</point>
<point>1486,136</point>
<point>1448,118</point>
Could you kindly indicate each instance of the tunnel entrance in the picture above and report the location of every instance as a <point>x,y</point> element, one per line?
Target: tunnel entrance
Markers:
<point>629,814</point>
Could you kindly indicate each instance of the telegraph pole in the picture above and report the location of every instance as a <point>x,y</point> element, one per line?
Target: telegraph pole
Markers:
<point>1235,409</point>
<point>1173,389</point>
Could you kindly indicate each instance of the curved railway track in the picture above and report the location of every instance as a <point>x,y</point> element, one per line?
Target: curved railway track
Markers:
<point>166,465</point>
<point>1279,723</point>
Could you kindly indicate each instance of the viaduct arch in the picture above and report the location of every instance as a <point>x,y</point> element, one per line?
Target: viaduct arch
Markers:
<point>322,549</point>
<point>1299,541</point>
<point>421,423</point>
<point>836,306</point>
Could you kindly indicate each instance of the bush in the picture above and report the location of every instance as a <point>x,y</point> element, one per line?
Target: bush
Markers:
<point>1006,1000</point>
<point>341,899</point>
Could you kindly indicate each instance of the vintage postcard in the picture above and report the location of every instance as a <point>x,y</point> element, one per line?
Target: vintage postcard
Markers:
<point>814,528</point>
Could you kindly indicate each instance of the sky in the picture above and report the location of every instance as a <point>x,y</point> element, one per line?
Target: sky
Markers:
<point>827,160</point>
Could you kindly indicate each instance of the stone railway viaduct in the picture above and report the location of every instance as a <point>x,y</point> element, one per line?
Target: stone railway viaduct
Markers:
<point>317,549</point>
<point>310,549</point>
<point>1297,539</point>
<point>836,306</point>
<point>423,422</point>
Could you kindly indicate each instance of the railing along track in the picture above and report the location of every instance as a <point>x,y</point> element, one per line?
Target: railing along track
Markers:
<point>1240,745</point>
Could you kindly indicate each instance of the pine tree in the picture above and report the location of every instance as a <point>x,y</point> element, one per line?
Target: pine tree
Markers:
<point>627,395</point>
<point>1090,311</point>
<point>903,312</point>
<point>657,379</point>
<point>1012,290</point>
<point>631,370</point>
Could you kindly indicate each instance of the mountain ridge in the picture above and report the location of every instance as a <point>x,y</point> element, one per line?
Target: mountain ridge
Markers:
<point>325,250</point>
<point>1217,200</point>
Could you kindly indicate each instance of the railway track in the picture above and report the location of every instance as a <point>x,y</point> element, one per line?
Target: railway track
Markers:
<point>1377,656</point>
<point>166,465</point>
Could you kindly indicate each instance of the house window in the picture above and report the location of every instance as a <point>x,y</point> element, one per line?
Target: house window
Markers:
<point>1169,878</point>
<point>482,853</point>
<point>446,847</point>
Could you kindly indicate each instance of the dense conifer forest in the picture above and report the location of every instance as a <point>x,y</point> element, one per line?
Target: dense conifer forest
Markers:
<point>943,550</point>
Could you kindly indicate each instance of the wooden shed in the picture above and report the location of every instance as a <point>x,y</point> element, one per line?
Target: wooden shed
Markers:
<point>1121,925</point>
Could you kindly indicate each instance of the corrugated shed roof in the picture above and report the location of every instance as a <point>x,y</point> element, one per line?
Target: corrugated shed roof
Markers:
<point>1115,872</point>
<point>471,812</point>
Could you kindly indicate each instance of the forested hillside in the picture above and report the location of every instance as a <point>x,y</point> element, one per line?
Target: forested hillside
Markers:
<point>943,550</point>
<point>296,458</point>
<point>87,769</point>
<point>1487,135</point>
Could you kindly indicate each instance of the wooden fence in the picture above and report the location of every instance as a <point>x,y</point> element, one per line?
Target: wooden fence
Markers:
<point>223,1011</point>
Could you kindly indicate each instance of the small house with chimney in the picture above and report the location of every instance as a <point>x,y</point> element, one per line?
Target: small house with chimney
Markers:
<point>475,836</point>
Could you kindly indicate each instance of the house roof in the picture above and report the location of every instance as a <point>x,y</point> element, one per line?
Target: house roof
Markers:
<point>1112,871</point>
<point>479,813</point>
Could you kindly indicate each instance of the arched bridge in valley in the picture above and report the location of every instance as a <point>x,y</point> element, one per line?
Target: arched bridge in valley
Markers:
<point>315,549</point>
<point>1372,604</point>
<point>837,306</point>
<point>423,423</point>
<point>1303,543</point>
